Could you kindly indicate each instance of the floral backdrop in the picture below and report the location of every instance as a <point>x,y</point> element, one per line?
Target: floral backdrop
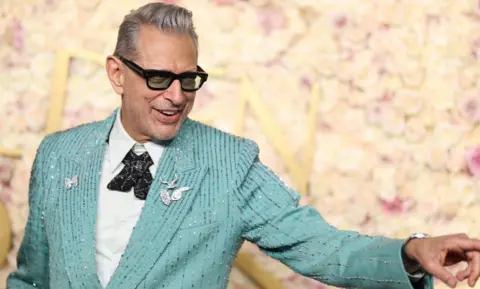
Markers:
<point>397,141</point>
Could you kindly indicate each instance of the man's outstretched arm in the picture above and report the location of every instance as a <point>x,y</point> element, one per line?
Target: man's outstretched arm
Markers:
<point>300,237</point>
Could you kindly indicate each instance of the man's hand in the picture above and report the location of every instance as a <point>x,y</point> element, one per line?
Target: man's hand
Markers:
<point>433,254</point>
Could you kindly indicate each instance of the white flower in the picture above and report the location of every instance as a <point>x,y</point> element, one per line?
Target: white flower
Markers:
<point>394,124</point>
<point>415,131</point>
<point>469,76</point>
<point>409,101</point>
<point>384,178</point>
<point>409,168</point>
<point>412,73</point>
<point>456,159</point>
<point>425,184</point>
<point>20,79</point>
<point>330,95</point>
<point>465,190</point>
<point>437,157</point>
<point>448,135</point>
<point>353,120</point>
<point>352,161</point>
<point>372,135</point>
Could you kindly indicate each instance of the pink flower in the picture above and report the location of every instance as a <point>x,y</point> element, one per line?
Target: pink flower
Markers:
<point>340,21</point>
<point>272,19</point>
<point>380,111</point>
<point>306,82</point>
<point>323,126</point>
<point>17,34</point>
<point>387,96</point>
<point>367,220</point>
<point>5,193</point>
<point>6,171</point>
<point>469,106</point>
<point>397,206</point>
<point>380,63</point>
<point>472,157</point>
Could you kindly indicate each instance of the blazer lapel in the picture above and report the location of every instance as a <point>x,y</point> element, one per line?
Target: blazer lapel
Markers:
<point>159,222</point>
<point>77,205</point>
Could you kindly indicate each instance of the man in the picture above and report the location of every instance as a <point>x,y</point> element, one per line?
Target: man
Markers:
<point>151,199</point>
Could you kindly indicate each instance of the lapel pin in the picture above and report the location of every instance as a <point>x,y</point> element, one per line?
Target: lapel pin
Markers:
<point>176,194</point>
<point>172,184</point>
<point>165,197</point>
<point>69,183</point>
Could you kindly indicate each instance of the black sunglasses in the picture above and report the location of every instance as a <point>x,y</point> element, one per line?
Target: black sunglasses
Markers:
<point>162,79</point>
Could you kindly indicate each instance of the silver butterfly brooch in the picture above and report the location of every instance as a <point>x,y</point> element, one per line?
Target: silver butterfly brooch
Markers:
<point>69,183</point>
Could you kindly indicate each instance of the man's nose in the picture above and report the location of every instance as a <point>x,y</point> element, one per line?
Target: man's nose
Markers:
<point>174,93</point>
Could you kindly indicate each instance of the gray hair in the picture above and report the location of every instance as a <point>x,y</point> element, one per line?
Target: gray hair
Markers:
<point>166,17</point>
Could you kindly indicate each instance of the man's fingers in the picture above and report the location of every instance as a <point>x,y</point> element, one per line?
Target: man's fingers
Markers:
<point>462,275</point>
<point>441,273</point>
<point>468,244</point>
<point>474,265</point>
<point>461,235</point>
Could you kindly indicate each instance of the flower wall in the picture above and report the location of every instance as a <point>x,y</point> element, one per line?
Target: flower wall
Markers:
<point>397,145</point>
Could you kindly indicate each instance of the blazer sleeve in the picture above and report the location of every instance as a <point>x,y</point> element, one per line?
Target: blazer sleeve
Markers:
<point>32,259</point>
<point>300,237</point>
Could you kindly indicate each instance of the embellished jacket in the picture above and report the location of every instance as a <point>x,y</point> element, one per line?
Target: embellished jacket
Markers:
<point>192,242</point>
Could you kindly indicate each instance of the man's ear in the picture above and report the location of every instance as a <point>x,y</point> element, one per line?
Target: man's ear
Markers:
<point>115,73</point>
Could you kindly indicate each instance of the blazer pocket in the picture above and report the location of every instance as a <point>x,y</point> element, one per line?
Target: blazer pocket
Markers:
<point>197,219</point>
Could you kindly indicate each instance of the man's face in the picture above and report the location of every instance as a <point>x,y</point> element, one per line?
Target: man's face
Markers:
<point>157,114</point>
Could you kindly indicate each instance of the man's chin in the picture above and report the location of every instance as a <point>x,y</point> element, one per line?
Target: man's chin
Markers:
<point>167,133</point>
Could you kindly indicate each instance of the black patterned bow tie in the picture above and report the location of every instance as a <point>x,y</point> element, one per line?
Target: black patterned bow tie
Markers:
<point>135,174</point>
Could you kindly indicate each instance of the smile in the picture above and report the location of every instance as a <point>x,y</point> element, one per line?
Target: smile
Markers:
<point>168,112</point>
<point>167,116</point>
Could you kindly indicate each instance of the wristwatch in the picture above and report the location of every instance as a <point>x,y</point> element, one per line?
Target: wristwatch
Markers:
<point>415,269</point>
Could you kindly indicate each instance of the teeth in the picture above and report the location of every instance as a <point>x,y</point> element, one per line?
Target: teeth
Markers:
<point>169,113</point>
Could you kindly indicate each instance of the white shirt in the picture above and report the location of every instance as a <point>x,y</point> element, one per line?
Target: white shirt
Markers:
<point>118,212</point>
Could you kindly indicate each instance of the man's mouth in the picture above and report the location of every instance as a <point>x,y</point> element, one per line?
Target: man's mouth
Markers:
<point>169,112</point>
<point>167,115</point>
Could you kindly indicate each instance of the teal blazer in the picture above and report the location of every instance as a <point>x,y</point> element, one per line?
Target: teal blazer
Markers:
<point>192,242</point>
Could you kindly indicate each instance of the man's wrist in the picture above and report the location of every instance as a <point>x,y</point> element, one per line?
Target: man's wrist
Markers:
<point>411,265</point>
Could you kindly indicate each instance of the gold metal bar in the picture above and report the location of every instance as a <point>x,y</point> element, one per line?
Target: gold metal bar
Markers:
<point>11,153</point>
<point>5,234</point>
<point>58,94</point>
<point>262,278</point>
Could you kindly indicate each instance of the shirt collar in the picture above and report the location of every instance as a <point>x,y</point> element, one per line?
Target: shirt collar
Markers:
<point>120,143</point>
